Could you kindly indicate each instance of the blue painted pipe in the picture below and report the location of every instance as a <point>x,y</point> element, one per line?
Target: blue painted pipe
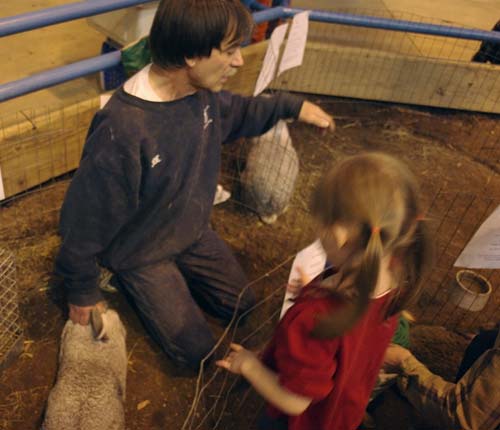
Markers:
<point>269,14</point>
<point>54,15</point>
<point>92,65</point>
<point>59,75</point>
<point>396,25</point>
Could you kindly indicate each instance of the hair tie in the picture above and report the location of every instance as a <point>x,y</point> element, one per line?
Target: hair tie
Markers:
<point>420,218</point>
<point>375,230</point>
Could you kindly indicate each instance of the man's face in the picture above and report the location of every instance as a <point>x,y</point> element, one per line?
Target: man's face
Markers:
<point>212,72</point>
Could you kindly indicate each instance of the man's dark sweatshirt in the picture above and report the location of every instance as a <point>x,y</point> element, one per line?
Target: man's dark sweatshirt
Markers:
<point>147,178</point>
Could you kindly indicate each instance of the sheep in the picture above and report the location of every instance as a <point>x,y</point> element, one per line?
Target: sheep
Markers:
<point>89,393</point>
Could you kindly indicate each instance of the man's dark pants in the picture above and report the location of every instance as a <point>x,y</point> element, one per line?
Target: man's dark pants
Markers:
<point>164,295</point>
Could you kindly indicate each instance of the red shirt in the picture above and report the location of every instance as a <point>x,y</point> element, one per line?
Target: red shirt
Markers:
<point>338,374</point>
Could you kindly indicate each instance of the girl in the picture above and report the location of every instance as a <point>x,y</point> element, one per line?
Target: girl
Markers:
<point>321,365</point>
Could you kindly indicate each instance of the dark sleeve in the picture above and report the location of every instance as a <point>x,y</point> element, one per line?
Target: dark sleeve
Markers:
<point>101,198</point>
<point>253,116</point>
<point>471,404</point>
<point>305,365</point>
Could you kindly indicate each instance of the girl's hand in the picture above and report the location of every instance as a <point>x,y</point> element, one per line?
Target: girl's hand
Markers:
<point>313,114</point>
<point>239,360</point>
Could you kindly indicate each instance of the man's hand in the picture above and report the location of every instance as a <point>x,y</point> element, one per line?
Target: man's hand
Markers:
<point>313,114</point>
<point>394,357</point>
<point>81,314</point>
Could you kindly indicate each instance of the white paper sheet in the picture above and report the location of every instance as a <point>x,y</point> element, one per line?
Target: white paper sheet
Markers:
<point>2,192</point>
<point>311,261</point>
<point>483,250</point>
<point>296,43</point>
<point>271,59</point>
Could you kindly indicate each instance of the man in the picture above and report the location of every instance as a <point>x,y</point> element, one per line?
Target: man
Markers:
<point>473,403</point>
<point>489,52</point>
<point>140,201</point>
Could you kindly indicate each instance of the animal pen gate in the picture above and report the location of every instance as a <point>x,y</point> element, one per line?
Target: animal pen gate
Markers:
<point>407,68</point>
<point>365,77</point>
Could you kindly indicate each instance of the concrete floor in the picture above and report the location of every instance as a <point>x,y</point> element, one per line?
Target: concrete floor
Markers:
<point>31,52</point>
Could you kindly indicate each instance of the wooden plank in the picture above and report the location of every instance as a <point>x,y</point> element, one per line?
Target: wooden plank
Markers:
<point>43,144</point>
<point>385,76</point>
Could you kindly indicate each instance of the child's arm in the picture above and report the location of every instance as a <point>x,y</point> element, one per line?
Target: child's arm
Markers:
<point>265,381</point>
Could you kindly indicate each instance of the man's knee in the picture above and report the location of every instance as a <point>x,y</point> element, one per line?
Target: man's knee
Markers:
<point>190,353</point>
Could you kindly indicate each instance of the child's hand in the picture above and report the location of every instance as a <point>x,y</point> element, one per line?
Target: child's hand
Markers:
<point>394,357</point>
<point>313,114</point>
<point>239,360</point>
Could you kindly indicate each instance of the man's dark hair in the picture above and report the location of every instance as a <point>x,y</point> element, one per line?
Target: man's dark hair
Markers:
<point>192,28</point>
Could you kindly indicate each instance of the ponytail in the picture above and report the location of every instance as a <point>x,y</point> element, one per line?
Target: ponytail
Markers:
<point>418,259</point>
<point>377,195</point>
<point>366,279</point>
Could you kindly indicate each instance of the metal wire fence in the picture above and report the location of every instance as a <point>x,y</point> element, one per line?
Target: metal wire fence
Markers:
<point>11,332</point>
<point>455,152</point>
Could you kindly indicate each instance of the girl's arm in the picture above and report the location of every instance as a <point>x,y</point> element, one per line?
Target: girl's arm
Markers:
<point>265,381</point>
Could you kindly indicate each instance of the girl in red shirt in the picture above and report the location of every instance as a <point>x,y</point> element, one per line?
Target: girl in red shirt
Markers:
<point>319,369</point>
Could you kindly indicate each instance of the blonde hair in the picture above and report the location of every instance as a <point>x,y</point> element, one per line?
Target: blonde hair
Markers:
<point>378,195</point>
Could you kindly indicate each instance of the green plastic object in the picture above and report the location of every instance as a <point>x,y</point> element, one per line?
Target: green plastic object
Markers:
<point>136,56</point>
<point>402,335</point>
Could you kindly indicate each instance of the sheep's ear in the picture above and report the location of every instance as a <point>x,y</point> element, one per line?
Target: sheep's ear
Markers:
<point>97,323</point>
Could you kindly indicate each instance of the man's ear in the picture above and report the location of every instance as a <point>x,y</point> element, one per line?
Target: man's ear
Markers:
<point>190,62</point>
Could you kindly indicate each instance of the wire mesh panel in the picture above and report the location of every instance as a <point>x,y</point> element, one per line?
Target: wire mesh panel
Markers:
<point>456,154</point>
<point>11,341</point>
<point>39,144</point>
<point>394,66</point>
<point>454,218</point>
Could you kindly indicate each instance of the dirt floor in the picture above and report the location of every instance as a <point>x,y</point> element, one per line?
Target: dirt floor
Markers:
<point>455,155</point>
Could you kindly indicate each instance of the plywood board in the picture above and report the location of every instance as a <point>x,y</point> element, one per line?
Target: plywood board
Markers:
<point>44,145</point>
<point>379,75</point>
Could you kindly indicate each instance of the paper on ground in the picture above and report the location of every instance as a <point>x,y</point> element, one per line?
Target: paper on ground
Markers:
<point>296,43</point>
<point>221,195</point>
<point>483,250</point>
<point>2,191</point>
<point>268,70</point>
<point>311,261</point>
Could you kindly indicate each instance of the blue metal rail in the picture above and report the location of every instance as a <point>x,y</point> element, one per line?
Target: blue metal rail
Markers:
<point>397,25</point>
<point>58,75</point>
<point>59,14</point>
<point>55,15</point>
